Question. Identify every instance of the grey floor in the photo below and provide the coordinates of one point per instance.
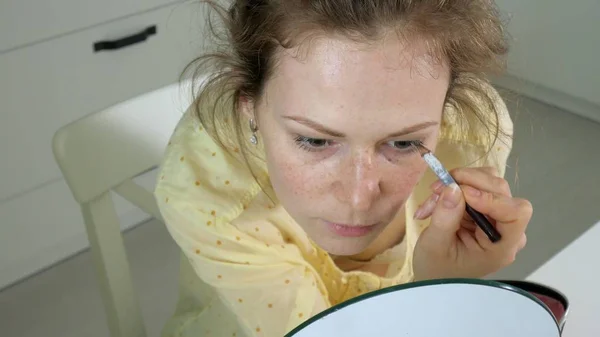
(553, 164)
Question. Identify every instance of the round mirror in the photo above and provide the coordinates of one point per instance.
(449, 308)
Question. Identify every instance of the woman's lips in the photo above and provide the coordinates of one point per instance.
(350, 230)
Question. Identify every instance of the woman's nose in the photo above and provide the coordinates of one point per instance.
(362, 183)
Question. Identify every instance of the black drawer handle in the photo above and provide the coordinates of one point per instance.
(126, 41)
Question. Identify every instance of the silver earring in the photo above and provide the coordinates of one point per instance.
(253, 128)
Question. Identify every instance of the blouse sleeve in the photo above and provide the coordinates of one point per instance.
(268, 287)
(457, 149)
(501, 149)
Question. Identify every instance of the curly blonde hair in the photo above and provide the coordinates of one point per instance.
(466, 34)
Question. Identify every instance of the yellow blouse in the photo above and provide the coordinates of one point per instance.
(248, 269)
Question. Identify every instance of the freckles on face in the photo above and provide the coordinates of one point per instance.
(337, 127)
(402, 179)
(291, 172)
(296, 178)
(346, 189)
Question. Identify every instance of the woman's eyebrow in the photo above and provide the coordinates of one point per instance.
(325, 130)
(412, 129)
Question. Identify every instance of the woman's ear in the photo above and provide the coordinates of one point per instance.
(246, 106)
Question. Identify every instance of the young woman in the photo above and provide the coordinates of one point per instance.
(292, 184)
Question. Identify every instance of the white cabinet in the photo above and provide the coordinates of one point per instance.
(27, 22)
(50, 83)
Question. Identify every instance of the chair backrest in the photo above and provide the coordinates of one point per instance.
(101, 153)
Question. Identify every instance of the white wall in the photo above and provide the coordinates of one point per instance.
(556, 46)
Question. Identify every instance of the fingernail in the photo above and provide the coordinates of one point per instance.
(451, 196)
(472, 191)
(419, 214)
(427, 207)
(436, 186)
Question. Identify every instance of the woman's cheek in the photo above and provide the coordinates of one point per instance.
(404, 182)
(289, 176)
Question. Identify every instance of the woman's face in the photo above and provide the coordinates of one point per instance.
(336, 122)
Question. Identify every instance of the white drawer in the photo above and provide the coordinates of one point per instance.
(25, 22)
(50, 84)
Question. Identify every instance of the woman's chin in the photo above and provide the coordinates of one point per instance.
(344, 246)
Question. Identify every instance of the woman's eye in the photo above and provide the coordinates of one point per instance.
(311, 144)
(402, 144)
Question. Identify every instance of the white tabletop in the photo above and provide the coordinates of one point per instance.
(575, 272)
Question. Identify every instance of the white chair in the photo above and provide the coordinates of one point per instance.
(103, 152)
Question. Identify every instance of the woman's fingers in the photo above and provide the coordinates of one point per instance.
(483, 179)
(469, 240)
(490, 194)
(510, 214)
(446, 217)
(522, 242)
(455, 241)
(426, 209)
(501, 208)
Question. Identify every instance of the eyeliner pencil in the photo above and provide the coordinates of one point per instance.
(443, 174)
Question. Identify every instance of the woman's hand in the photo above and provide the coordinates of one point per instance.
(453, 245)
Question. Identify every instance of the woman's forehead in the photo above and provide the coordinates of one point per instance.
(338, 79)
